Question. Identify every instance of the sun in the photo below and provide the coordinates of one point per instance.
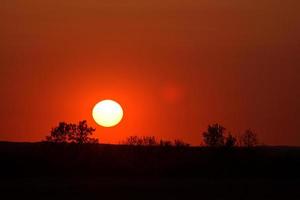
(107, 113)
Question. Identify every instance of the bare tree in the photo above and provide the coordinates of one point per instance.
(214, 136)
(249, 138)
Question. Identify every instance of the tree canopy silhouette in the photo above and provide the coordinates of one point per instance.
(72, 133)
(61, 133)
(214, 136)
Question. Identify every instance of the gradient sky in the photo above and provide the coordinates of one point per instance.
(175, 66)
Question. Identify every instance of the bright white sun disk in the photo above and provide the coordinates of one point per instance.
(107, 113)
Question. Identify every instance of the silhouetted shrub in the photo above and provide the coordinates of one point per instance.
(180, 143)
(230, 140)
(145, 141)
(133, 140)
(149, 141)
(75, 133)
(165, 143)
(249, 138)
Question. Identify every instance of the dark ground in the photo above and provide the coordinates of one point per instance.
(49, 171)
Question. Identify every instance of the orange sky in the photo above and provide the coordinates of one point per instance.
(175, 66)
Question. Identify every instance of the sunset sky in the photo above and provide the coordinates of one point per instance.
(174, 66)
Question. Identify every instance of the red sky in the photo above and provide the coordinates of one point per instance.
(175, 66)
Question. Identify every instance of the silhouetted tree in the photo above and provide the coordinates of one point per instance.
(60, 134)
(81, 133)
(68, 132)
(230, 140)
(214, 136)
(249, 138)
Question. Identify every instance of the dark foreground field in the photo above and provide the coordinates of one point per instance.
(49, 171)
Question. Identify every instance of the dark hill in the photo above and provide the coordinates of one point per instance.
(69, 171)
(39, 159)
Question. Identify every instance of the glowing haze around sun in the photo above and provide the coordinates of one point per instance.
(107, 113)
